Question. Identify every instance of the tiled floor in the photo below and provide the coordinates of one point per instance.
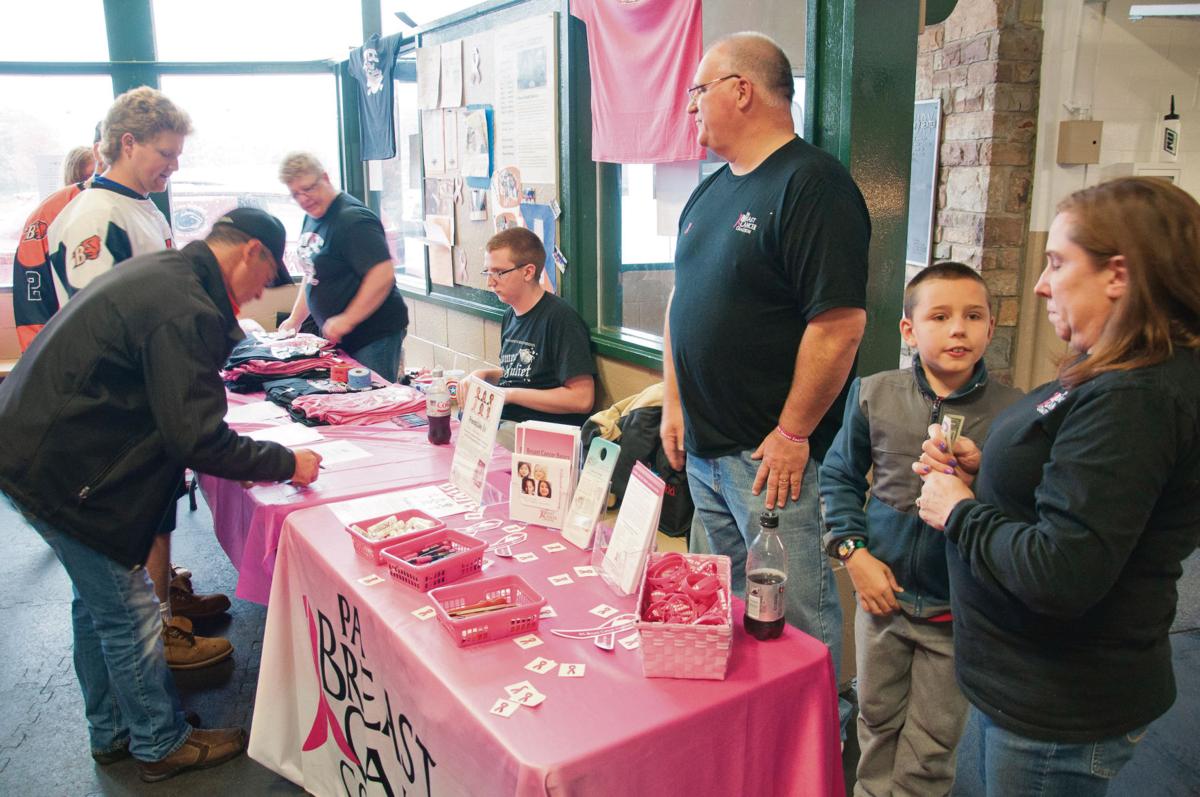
(43, 743)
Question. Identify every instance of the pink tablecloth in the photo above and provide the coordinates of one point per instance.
(397, 702)
(248, 521)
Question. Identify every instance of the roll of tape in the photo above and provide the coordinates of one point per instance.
(339, 373)
(360, 378)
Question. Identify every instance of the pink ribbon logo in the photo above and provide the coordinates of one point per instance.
(326, 720)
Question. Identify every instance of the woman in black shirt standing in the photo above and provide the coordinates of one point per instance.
(1065, 550)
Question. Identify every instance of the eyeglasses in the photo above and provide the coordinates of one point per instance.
(308, 190)
(496, 275)
(694, 92)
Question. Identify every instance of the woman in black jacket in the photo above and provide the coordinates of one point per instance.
(1064, 552)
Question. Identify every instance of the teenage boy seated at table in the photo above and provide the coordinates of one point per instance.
(546, 367)
(911, 714)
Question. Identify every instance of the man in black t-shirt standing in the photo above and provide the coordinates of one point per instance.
(546, 366)
(764, 323)
(349, 281)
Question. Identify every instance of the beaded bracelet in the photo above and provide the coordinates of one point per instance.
(791, 438)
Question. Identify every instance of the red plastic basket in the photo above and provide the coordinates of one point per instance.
(522, 618)
(676, 650)
(467, 560)
(371, 549)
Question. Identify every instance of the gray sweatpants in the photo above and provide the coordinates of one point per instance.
(910, 711)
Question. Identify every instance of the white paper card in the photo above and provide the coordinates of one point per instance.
(630, 642)
(476, 437)
(603, 610)
(255, 412)
(528, 641)
(292, 434)
(541, 665)
(584, 571)
(561, 580)
(571, 670)
(504, 708)
(526, 557)
(371, 580)
(554, 547)
(424, 613)
(547, 611)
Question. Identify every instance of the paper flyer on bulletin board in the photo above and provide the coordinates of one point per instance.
(476, 438)
(526, 81)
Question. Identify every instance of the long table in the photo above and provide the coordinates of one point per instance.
(357, 692)
(248, 521)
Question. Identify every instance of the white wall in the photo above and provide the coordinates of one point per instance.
(1093, 55)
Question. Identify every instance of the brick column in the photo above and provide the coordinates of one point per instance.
(984, 62)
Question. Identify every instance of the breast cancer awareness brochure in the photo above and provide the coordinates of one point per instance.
(591, 494)
(633, 535)
(476, 438)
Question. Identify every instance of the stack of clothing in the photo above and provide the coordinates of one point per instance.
(355, 408)
(259, 359)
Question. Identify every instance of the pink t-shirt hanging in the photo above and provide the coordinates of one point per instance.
(643, 57)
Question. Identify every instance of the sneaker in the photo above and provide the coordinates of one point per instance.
(202, 749)
(194, 605)
(121, 753)
(186, 651)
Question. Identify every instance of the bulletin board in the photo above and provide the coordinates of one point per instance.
(492, 73)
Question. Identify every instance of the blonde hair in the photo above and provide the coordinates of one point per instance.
(144, 113)
(1155, 227)
(297, 164)
(78, 166)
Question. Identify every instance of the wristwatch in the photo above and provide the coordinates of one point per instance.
(846, 548)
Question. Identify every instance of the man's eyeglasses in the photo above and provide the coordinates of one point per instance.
(694, 92)
(495, 275)
(308, 190)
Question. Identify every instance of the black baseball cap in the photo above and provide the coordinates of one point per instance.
(267, 229)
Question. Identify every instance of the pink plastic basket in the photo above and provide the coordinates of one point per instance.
(674, 650)
(520, 619)
(371, 549)
(467, 560)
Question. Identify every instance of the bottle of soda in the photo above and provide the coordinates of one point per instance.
(437, 409)
(766, 575)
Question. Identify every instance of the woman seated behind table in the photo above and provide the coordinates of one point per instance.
(1066, 548)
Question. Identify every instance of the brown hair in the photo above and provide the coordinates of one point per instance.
(1155, 226)
(522, 245)
(144, 112)
(78, 166)
(946, 270)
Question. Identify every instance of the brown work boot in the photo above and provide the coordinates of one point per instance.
(186, 651)
(202, 749)
(196, 606)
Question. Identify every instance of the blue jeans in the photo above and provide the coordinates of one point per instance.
(729, 513)
(382, 355)
(128, 693)
(993, 761)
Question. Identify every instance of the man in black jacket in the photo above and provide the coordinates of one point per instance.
(116, 396)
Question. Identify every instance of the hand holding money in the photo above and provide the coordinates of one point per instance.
(947, 451)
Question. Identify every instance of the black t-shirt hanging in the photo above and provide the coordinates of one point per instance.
(371, 65)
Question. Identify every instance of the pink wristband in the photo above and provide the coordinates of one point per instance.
(791, 438)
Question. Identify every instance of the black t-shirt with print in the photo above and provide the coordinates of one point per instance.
(759, 256)
(371, 65)
(542, 349)
(336, 251)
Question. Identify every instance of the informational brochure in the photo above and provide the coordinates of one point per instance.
(633, 535)
(540, 490)
(476, 438)
(591, 493)
(434, 500)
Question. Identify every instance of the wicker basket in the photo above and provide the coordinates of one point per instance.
(674, 650)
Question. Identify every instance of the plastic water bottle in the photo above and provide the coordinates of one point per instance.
(766, 577)
(437, 409)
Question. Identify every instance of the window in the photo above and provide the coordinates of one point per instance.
(400, 193)
(35, 136)
(634, 291)
(53, 30)
(244, 125)
(256, 30)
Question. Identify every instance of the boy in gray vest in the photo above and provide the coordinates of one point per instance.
(911, 713)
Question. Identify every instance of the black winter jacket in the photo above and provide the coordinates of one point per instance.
(118, 394)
